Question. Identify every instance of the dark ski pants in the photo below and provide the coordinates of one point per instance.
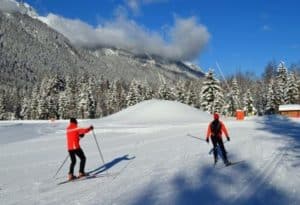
(82, 157)
(218, 140)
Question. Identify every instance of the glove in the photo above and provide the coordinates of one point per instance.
(91, 127)
(207, 140)
(81, 135)
(228, 139)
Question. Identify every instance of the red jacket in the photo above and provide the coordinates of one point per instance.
(73, 132)
(223, 129)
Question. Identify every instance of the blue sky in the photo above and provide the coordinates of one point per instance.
(243, 34)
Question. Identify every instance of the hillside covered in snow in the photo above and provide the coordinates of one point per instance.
(154, 154)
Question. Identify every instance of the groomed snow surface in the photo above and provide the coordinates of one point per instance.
(154, 154)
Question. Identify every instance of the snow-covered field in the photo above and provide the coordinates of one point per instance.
(151, 159)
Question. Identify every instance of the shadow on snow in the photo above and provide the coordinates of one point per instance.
(223, 186)
(110, 164)
(288, 128)
(213, 186)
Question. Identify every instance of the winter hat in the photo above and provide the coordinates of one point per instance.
(73, 120)
(216, 116)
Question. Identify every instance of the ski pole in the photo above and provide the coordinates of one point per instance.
(61, 165)
(99, 150)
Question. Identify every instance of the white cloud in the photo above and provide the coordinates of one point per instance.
(187, 37)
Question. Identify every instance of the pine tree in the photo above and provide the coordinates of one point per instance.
(34, 104)
(212, 99)
(147, 91)
(165, 92)
(271, 99)
(71, 101)
(91, 99)
(62, 104)
(180, 91)
(234, 98)
(43, 100)
(281, 85)
(248, 103)
(190, 97)
(2, 106)
(292, 93)
(25, 110)
(134, 95)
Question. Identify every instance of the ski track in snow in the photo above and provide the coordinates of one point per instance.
(164, 165)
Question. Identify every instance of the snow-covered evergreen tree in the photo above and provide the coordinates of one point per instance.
(34, 104)
(212, 98)
(292, 93)
(234, 98)
(271, 99)
(165, 92)
(180, 91)
(190, 97)
(25, 109)
(147, 91)
(134, 94)
(70, 103)
(86, 101)
(248, 103)
(62, 104)
(2, 106)
(281, 85)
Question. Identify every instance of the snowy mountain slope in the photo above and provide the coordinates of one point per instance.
(154, 163)
(29, 48)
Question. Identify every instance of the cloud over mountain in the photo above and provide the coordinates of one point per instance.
(184, 40)
(187, 37)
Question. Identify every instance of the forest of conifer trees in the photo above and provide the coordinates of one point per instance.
(86, 96)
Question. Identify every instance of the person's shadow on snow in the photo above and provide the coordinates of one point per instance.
(110, 164)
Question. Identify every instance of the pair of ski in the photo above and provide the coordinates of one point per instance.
(92, 176)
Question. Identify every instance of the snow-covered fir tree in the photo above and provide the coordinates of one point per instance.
(70, 103)
(148, 92)
(113, 98)
(134, 94)
(292, 93)
(34, 103)
(86, 102)
(190, 96)
(248, 103)
(180, 91)
(164, 91)
(271, 99)
(234, 98)
(25, 109)
(212, 98)
(281, 85)
(2, 106)
(62, 104)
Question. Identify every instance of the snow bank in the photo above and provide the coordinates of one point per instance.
(159, 111)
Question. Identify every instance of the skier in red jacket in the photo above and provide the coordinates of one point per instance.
(214, 131)
(74, 133)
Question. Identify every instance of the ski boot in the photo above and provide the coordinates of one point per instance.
(71, 177)
(215, 161)
(82, 174)
(227, 163)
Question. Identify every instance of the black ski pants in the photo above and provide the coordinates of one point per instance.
(218, 140)
(82, 157)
